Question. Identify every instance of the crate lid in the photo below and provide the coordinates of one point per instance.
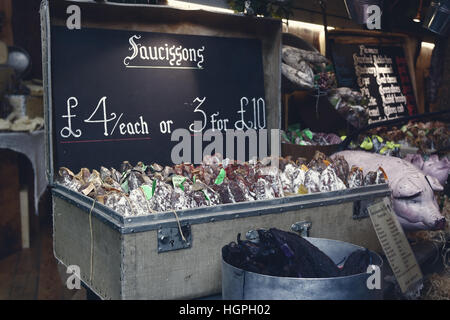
(121, 79)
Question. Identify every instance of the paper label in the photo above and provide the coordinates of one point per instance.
(89, 189)
(147, 191)
(178, 181)
(308, 133)
(367, 144)
(125, 186)
(206, 196)
(153, 187)
(220, 177)
(395, 245)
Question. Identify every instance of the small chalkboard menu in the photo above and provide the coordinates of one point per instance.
(380, 72)
(120, 95)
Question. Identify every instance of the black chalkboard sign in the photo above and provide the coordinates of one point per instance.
(119, 95)
(381, 73)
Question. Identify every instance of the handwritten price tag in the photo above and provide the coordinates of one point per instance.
(395, 245)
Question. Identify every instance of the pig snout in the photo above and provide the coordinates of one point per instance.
(440, 224)
(410, 226)
(420, 210)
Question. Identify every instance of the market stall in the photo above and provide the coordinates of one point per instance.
(144, 105)
(107, 242)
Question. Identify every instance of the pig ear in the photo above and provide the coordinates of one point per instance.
(408, 157)
(434, 183)
(434, 158)
(405, 188)
(446, 161)
(417, 160)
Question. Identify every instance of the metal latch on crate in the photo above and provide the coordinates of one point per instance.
(170, 239)
(302, 227)
(360, 209)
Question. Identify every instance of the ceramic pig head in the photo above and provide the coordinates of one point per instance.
(434, 167)
(414, 200)
(437, 168)
(412, 189)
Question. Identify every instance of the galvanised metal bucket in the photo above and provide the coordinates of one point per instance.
(238, 284)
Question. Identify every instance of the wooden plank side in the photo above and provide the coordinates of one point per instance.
(26, 278)
(6, 32)
(24, 218)
(51, 285)
(422, 72)
(33, 273)
(8, 267)
(196, 272)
